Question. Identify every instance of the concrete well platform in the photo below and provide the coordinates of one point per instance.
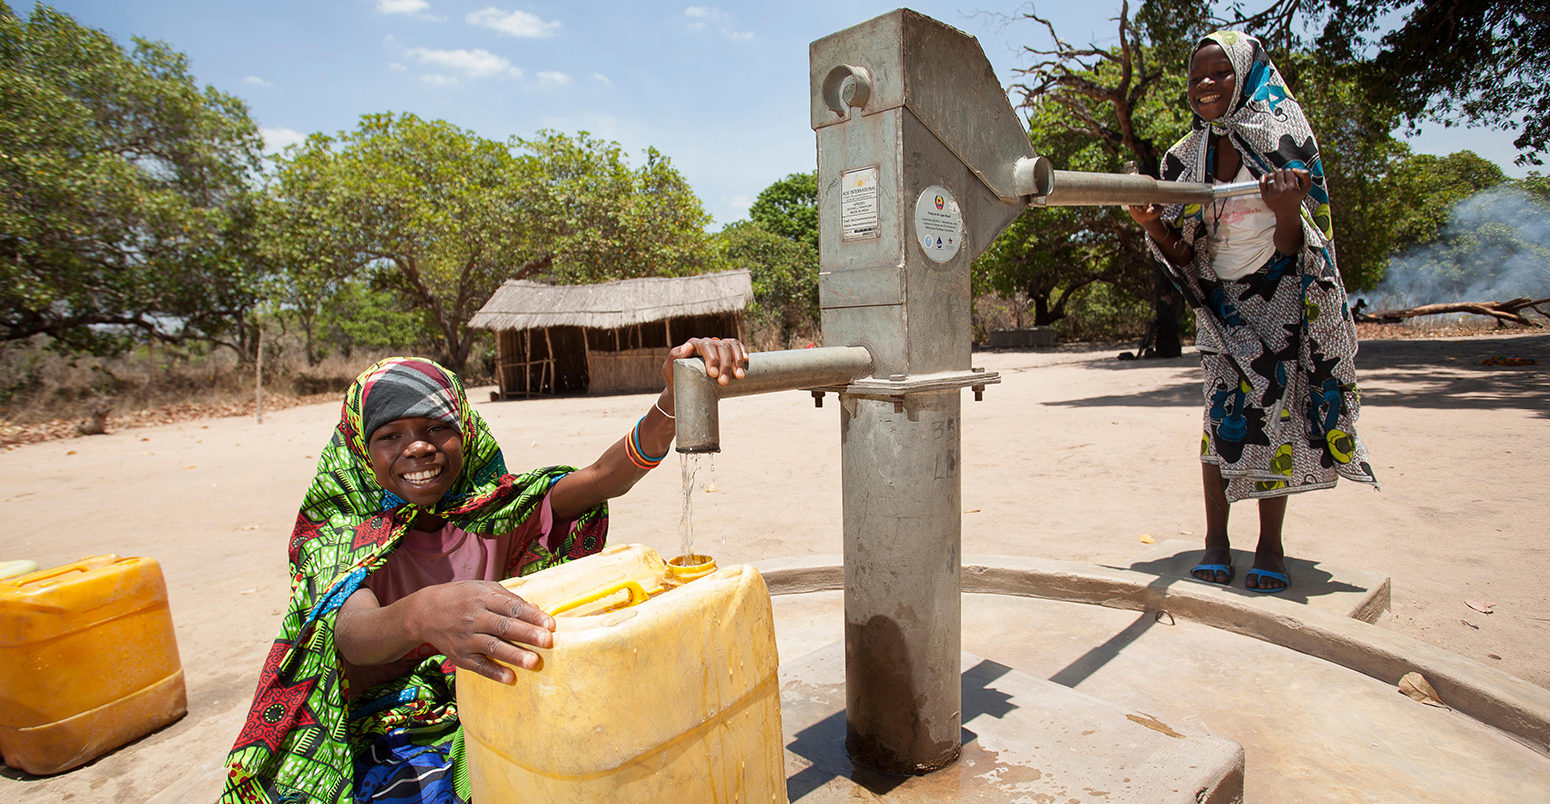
(1309, 694)
(1024, 739)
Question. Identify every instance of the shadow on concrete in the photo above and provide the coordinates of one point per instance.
(824, 742)
(17, 774)
(1308, 579)
(1099, 655)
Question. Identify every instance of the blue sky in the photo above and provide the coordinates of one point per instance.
(720, 89)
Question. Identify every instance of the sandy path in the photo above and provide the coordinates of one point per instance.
(1074, 455)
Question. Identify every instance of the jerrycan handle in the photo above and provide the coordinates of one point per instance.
(43, 577)
(637, 595)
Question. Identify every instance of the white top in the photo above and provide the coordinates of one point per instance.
(1244, 238)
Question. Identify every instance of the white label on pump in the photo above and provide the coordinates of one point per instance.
(938, 224)
(858, 204)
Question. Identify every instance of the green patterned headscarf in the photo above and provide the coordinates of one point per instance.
(300, 734)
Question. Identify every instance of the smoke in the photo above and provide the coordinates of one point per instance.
(1495, 246)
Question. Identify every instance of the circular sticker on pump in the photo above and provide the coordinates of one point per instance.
(938, 224)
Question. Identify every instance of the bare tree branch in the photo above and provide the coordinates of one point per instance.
(1503, 311)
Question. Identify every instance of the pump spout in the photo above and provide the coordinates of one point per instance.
(696, 395)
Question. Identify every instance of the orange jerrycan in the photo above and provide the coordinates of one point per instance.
(88, 661)
(661, 686)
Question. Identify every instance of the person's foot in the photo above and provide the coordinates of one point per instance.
(1266, 561)
(1216, 565)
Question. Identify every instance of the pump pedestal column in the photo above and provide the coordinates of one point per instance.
(902, 585)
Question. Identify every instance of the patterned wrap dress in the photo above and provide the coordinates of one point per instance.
(1279, 345)
(304, 740)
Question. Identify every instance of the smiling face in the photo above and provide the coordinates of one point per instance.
(416, 458)
(1212, 82)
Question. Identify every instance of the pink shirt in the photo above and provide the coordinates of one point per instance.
(426, 558)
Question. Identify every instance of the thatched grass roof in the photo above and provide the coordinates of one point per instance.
(520, 304)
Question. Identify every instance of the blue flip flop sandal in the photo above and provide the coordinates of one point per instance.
(1279, 576)
(1213, 569)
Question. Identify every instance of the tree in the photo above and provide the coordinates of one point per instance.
(1048, 258)
(358, 317)
(1482, 60)
(588, 217)
(125, 211)
(1421, 191)
(1535, 184)
(1099, 108)
(309, 249)
(441, 217)
(1485, 242)
(434, 210)
(779, 243)
(1358, 151)
(789, 208)
(784, 274)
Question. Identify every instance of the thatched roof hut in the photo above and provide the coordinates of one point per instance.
(605, 338)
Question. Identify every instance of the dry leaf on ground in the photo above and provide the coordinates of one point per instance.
(1480, 606)
(1417, 687)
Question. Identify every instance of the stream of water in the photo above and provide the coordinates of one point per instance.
(691, 466)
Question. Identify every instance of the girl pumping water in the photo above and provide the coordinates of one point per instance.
(1276, 337)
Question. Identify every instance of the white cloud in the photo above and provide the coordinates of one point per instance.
(514, 23)
(438, 80)
(256, 81)
(401, 6)
(550, 79)
(275, 139)
(602, 79)
(396, 67)
(477, 63)
(706, 17)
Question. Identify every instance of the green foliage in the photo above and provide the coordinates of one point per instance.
(779, 244)
(784, 273)
(1480, 60)
(1535, 184)
(1492, 245)
(432, 206)
(357, 318)
(789, 208)
(588, 217)
(1421, 192)
(1093, 109)
(1357, 149)
(124, 211)
(439, 217)
(1102, 312)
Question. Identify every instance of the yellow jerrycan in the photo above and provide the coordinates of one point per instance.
(88, 661)
(661, 686)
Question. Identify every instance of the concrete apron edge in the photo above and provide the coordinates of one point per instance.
(1480, 691)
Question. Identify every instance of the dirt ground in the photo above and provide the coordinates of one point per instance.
(1074, 455)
